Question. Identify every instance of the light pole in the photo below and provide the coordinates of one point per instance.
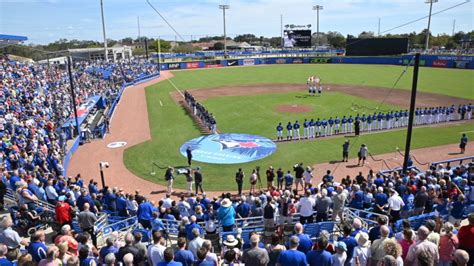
(429, 22)
(317, 8)
(224, 7)
(103, 29)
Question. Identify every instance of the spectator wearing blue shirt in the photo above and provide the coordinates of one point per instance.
(380, 199)
(374, 232)
(182, 255)
(156, 223)
(292, 257)
(319, 256)
(357, 201)
(145, 214)
(3, 260)
(226, 215)
(121, 204)
(107, 249)
(350, 242)
(83, 199)
(304, 242)
(37, 249)
(457, 210)
(243, 209)
(168, 255)
(191, 226)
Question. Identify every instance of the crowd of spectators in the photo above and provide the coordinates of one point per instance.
(444, 191)
(201, 112)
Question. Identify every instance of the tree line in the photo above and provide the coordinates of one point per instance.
(332, 39)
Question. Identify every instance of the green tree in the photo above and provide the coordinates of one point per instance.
(336, 39)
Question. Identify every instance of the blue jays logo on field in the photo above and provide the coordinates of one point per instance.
(229, 148)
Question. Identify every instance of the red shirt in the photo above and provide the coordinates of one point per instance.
(466, 237)
(63, 212)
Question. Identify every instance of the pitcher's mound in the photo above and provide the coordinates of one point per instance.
(294, 108)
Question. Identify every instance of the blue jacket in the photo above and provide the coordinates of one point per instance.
(226, 216)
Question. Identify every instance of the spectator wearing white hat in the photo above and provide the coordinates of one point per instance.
(226, 215)
(362, 251)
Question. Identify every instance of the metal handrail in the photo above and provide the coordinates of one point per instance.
(366, 220)
(460, 160)
(12, 195)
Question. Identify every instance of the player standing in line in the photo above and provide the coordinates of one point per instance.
(306, 129)
(397, 119)
(380, 118)
(405, 118)
(331, 125)
(312, 128)
(324, 124)
(337, 124)
(369, 122)
(469, 111)
(289, 131)
(279, 129)
(318, 128)
(363, 119)
(344, 125)
(296, 130)
(350, 123)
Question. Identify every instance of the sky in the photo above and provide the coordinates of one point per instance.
(44, 21)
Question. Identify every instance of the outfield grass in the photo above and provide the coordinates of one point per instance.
(237, 114)
(171, 127)
(452, 82)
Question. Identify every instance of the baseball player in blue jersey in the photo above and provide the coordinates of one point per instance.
(405, 118)
(344, 125)
(331, 125)
(296, 130)
(279, 129)
(364, 122)
(318, 128)
(350, 123)
(369, 122)
(469, 111)
(387, 120)
(289, 131)
(337, 125)
(306, 129)
(380, 117)
(312, 128)
(324, 124)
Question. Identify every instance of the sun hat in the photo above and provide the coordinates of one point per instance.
(231, 241)
(226, 203)
(362, 239)
(341, 245)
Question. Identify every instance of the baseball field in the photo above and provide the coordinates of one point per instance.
(254, 99)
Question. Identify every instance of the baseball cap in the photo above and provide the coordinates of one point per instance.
(341, 245)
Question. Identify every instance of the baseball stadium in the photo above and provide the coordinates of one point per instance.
(311, 147)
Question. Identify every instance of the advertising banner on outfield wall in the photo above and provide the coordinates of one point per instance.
(248, 62)
(321, 60)
(192, 65)
(298, 61)
(212, 63)
(232, 62)
(440, 63)
(174, 66)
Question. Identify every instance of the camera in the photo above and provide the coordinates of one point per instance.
(104, 164)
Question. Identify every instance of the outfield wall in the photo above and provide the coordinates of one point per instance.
(441, 61)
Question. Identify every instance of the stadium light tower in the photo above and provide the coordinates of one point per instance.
(317, 8)
(103, 30)
(224, 7)
(429, 22)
